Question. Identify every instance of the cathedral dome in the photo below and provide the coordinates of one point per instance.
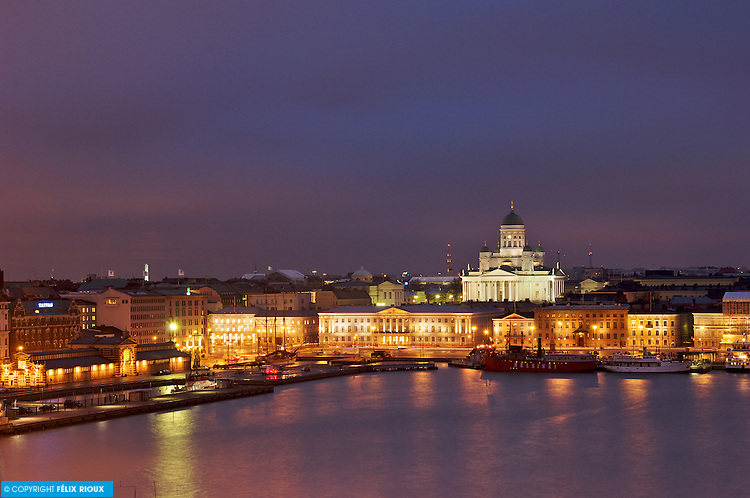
(362, 275)
(512, 219)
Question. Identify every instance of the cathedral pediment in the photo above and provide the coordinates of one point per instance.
(499, 272)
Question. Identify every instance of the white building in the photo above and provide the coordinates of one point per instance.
(414, 326)
(515, 272)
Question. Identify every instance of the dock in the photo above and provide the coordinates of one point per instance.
(252, 384)
(62, 418)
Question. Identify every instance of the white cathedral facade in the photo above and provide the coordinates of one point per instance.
(514, 272)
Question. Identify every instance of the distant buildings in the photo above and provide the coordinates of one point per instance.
(151, 315)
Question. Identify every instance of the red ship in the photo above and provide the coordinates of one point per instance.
(517, 359)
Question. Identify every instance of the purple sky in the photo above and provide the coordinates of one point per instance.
(220, 136)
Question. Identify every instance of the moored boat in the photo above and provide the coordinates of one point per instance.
(738, 358)
(517, 359)
(472, 360)
(645, 364)
(700, 366)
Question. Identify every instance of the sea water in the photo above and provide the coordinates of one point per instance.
(450, 432)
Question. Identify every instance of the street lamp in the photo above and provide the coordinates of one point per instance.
(532, 332)
(421, 341)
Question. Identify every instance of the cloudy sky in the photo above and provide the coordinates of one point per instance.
(219, 137)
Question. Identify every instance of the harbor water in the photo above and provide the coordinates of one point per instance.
(449, 432)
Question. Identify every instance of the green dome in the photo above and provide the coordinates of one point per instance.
(512, 219)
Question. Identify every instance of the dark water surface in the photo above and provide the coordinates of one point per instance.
(450, 432)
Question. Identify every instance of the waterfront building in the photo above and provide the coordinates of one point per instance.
(514, 329)
(261, 330)
(735, 307)
(42, 324)
(286, 329)
(659, 329)
(100, 353)
(420, 325)
(514, 272)
(708, 331)
(4, 331)
(717, 331)
(582, 326)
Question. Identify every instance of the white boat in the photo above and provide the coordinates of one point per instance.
(645, 364)
(738, 358)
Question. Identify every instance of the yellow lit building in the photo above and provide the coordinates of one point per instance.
(409, 326)
(262, 331)
(655, 330)
(708, 331)
(514, 329)
(4, 332)
(582, 326)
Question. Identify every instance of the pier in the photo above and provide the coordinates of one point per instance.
(122, 402)
(61, 418)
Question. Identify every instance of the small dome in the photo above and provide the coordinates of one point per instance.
(485, 248)
(512, 219)
(362, 275)
(539, 248)
(527, 248)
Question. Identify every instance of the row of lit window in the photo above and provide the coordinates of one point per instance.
(394, 320)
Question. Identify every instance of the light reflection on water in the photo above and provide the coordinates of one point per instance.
(446, 432)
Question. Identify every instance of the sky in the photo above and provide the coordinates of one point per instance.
(226, 137)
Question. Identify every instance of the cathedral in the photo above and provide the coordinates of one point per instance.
(515, 271)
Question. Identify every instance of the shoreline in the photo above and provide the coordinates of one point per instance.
(255, 385)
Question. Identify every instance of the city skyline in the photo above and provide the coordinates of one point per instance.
(218, 139)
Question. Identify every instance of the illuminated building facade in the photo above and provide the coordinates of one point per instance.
(186, 318)
(717, 331)
(101, 353)
(735, 307)
(261, 331)
(40, 325)
(708, 331)
(4, 332)
(514, 272)
(658, 330)
(152, 316)
(421, 325)
(514, 329)
(582, 326)
(387, 294)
